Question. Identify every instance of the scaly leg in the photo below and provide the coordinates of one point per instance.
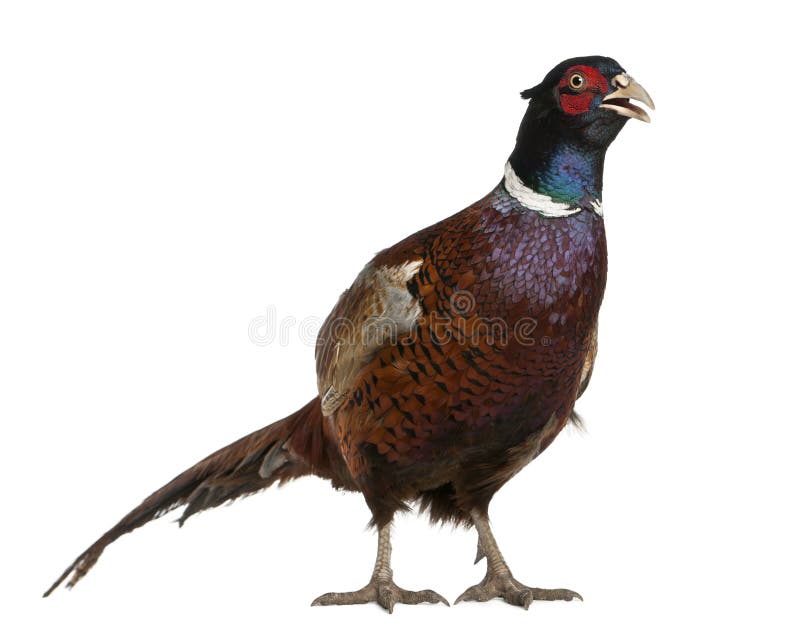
(381, 587)
(498, 581)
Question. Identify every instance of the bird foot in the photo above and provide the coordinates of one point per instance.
(513, 592)
(383, 592)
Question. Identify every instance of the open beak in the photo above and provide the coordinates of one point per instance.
(619, 100)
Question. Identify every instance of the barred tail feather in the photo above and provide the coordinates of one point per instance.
(244, 467)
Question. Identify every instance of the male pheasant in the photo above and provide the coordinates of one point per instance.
(456, 356)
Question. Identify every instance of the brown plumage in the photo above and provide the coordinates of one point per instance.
(456, 356)
(292, 447)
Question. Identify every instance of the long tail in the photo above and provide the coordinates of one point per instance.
(286, 449)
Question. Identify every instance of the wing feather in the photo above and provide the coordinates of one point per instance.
(376, 310)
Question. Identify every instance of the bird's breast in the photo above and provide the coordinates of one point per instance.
(548, 270)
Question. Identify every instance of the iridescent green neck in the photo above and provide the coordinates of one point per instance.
(565, 172)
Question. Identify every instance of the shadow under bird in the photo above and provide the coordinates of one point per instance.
(456, 356)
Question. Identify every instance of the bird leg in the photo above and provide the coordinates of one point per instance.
(498, 581)
(381, 587)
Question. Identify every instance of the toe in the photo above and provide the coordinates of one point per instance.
(524, 599)
(386, 598)
(526, 595)
(556, 594)
(466, 596)
(333, 599)
(323, 600)
(417, 597)
(476, 593)
(434, 598)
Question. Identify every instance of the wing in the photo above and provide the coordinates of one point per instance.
(376, 310)
(384, 303)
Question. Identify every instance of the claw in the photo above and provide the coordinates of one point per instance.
(385, 594)
(513, 592)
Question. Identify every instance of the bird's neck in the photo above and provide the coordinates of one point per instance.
(558, 167)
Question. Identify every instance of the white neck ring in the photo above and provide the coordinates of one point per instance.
(538, 202)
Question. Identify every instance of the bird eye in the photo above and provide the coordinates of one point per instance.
(577, 81)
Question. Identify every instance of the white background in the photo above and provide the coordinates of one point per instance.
(169, 171)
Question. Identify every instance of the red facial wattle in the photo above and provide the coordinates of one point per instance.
(575, 101)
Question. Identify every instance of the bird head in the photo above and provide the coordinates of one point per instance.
(573, 116)
(588, 97)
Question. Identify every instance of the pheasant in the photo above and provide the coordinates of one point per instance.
(456, 356)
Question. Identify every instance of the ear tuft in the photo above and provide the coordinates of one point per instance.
(529, 93)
